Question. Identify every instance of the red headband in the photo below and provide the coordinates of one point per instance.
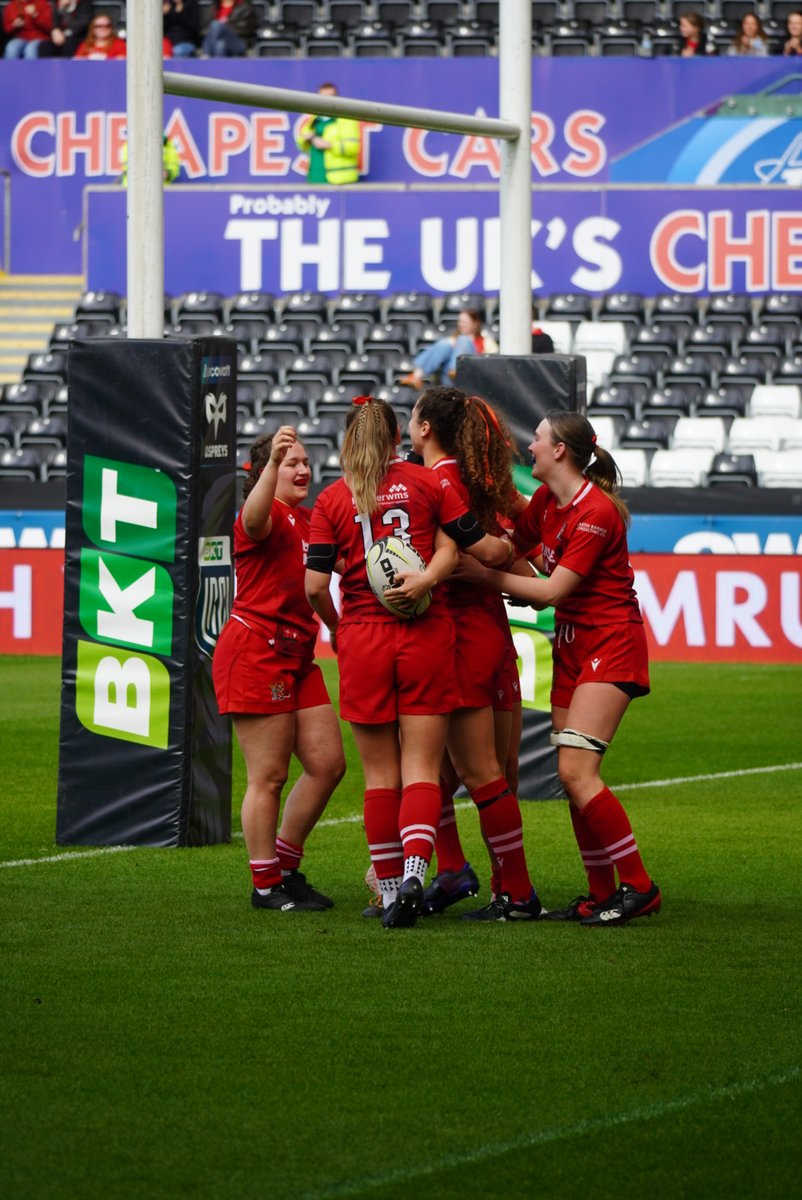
(363, 400)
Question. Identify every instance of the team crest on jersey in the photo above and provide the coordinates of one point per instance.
(213, 604)
(278, 690)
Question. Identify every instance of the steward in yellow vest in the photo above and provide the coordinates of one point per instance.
(333, 145)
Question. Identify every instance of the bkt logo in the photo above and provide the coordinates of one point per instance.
(126, 601)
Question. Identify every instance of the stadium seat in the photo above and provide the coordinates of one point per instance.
(50, 367)
(730, 469)
(792, 435)
(252, 395)
(606, 430)
(199, 303)
(770, 400)
(652, 433)
(780, 469)
(574, 307)
(598, 364)
(705, 433)
(620, 400)
(420, 39)
(680, 468)
(320, 367)
(30, 396)
(55, 466)
(677, 400)
(101, 304)
(23, 462)
(299, 395)
(634, 467)
(622, 306)
(600, 335)
(11, 426)
(45, 431)
(748, 434)
(727, 400)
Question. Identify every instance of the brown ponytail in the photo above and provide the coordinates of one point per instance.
(576, 433)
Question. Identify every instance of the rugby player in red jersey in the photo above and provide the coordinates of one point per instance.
(461, 439)
(397, 682)
(266, 678)
(600, 658)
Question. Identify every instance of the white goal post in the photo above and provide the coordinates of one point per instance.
(146, 84)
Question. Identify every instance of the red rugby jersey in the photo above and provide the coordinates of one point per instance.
(588, 536)
(270, 594)
(412, 504)
(462, 595)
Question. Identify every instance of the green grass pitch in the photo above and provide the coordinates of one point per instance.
(159, 1038)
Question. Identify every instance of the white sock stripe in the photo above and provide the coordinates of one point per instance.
(451, 820)
(633, 849)
(376, 858)
(411, 829)
(504, 848)
(597, 862)
(263, 862)
(418, 837)
(383, 845)
(594, 855)
(500, 838)
(621, 842)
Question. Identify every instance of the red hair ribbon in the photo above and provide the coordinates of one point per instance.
(593, 439)
(246, 466)
(363, 400)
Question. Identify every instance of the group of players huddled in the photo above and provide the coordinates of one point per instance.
(433, 700)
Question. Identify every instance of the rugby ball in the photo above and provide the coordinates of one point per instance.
(384, 559)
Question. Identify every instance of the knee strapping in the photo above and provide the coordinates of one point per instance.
(580, 741)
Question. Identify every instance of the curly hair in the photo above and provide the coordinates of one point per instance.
(371, 434)
(469, 429)
(576, 433)
(259, 458)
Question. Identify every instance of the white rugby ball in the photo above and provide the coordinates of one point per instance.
(384, 559)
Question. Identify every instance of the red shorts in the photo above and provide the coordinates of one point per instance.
(508, 687)
(599, 654)
(396, 668)
(482, 656)
(250, 677)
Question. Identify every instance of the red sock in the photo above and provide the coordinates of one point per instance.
(265, 872)
(500, 818)
(447, 846)
(289, 855)
(609, 826)
(595, 859)
(419, 818)
(381, 829)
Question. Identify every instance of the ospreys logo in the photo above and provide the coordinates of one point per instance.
(215, 409)
(216, 382)
(213, 605)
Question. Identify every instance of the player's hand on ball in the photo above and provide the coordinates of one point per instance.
(408, 588)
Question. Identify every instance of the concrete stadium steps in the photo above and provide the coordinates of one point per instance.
(30, 305)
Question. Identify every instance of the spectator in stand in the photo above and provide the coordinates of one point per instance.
(751, 39)
(182, 26)
(542, 342)
(793, 45)
(440, 358)
(332, 143)
(232, 30)
(70, 22)
(102, 40)
(692, 35)
(27, 24)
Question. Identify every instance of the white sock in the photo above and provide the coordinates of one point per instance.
(415, 868)
(388, 888)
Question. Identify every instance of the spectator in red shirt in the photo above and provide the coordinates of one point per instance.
(102, 40)
(27, 23)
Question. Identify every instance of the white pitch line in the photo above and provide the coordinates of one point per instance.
(356, 818)
(527, 1141)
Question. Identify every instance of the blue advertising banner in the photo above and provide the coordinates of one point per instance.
(440, 240)
(645, 124)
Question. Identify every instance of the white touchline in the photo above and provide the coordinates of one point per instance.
(355, 818)
(541, 1137)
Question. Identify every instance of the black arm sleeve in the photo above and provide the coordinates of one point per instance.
(321, 557)
(466, 531)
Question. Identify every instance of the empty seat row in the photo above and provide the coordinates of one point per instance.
(693, 468)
